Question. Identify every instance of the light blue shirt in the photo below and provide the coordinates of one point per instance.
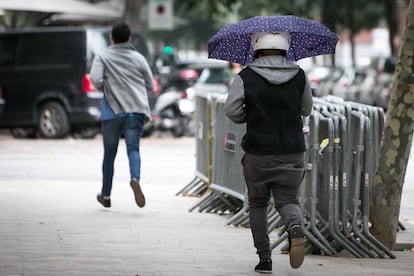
(107, 113)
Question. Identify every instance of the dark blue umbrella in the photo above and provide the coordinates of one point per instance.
(308, 38)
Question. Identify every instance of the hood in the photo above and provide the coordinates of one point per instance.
(275, 69)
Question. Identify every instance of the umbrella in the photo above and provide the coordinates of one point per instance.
(308, 38)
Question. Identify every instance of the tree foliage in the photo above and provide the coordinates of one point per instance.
(21, 19)
(204, 17)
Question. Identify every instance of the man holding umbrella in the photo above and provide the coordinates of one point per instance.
(271, 95)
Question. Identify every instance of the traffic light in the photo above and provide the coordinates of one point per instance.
(168, 50)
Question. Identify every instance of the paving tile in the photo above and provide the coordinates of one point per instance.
(51, 224)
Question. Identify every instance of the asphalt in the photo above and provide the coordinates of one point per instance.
(51, 223)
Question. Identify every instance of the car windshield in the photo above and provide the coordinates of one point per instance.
(214, 75)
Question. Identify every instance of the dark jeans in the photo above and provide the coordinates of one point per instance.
(272, 175)
(112, 130)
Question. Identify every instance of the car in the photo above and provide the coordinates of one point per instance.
(347, 85)
(215, 78)
(383, 94)
(186, 78)
(325, 87)
(384, 64)
(365, 90)
(185, 73)
(44, 76)
(385, 68)
(317, 76)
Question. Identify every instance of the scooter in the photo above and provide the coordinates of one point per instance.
(173, 112)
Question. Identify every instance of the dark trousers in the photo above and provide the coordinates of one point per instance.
(272, 175)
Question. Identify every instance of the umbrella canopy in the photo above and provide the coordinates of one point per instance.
(308, 38)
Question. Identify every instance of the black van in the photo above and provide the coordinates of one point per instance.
(44, 76)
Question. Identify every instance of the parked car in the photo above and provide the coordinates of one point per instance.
(383, 93)
(185, 73)
(216, 78)
(365, 86)
(385, 68)
(44, 75)
(325, 87)
(175, 106)
(317, 76)
(347, 85)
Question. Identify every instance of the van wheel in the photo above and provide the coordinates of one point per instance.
(53, 121)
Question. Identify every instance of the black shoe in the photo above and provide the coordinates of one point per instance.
(264, 266)
(139, 196)
(296, 246)
(105, 202)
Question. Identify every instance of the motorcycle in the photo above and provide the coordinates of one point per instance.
(173, 112)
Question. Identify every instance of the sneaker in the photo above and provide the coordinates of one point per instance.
(296, 246)
(264, 266)
(139, 196)
(105, 202)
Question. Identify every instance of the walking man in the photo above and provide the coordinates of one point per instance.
(125, 77)
(271, 95)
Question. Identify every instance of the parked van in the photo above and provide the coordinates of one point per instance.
(44, 76)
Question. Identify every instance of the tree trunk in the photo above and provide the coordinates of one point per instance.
(351, 25)
(392, 22)
(395, 145)
(329, 19)
(132, 14)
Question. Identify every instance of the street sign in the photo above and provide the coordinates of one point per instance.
(160, 14)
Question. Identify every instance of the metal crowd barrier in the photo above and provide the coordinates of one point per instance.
(227, 187)
(342, 146)
(202, 117)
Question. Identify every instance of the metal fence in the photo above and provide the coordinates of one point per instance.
(342, 143)
(202, 117)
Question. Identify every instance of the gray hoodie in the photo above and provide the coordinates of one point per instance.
(125, 77)
(276, 70)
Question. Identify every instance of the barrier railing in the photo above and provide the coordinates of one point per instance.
(342, 143)
(202, 117)
(227, 188)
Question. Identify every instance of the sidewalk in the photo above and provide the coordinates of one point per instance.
(51, 224)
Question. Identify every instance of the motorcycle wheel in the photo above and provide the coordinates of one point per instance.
(180, 128)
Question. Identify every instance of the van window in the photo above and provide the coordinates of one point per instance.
(96, 45)
(48, 49)
(8, 47)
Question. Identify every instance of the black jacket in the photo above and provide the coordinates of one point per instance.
(273, 114)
